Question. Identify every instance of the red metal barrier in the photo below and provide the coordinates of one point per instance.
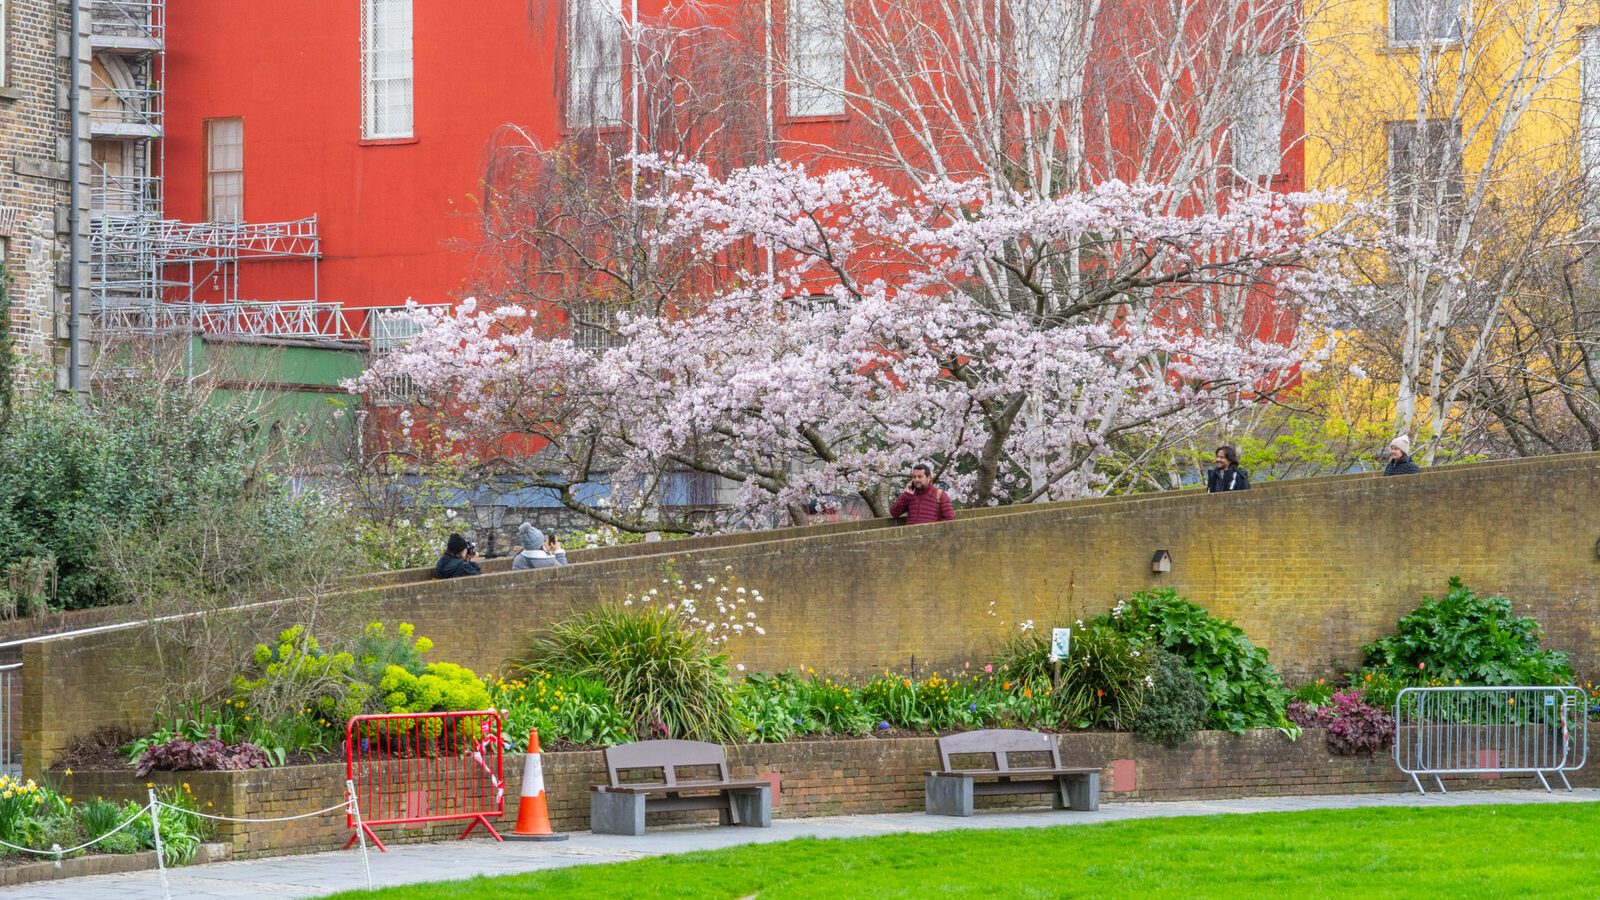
(411, 768)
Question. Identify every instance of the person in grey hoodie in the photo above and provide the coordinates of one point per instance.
(538, 552)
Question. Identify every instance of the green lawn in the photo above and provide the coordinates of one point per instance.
(1452, 853)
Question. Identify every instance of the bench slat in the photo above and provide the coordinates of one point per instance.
(682, 786)
(991, 773)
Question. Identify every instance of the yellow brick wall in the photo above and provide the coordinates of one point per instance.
(1311, 569)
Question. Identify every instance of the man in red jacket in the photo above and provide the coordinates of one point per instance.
(923, 501)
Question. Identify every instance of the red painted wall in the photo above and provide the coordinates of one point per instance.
(397, 219)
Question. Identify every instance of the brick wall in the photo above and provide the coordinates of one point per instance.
(1310, 569)
(32, 141)
(816, 778)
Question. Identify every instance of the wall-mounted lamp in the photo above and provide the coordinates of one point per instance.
(1161, 562)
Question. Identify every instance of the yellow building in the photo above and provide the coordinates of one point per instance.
(1443, 96)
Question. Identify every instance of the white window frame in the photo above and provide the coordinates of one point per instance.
(387, 104)
(1401, 199)
(815, 83)
(594, 63)
(389, 331)
(1257, 132)
(1454, 24)
(1589, 119)
(595, 338)
(1040, 31)
(213, 170)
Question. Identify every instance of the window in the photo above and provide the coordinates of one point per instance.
(385, 69)
(1258, 130)
(1589, 117)
(1424, 169)
(594, 62)
(593, 325)
(390, 331)
(1044, 37)
(816, 58)
(1416, 21)
(224, 170)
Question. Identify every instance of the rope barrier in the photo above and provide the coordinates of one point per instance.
(56, 851)
(350, 804)
(321, 812)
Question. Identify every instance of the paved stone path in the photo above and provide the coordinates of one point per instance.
(318, 874)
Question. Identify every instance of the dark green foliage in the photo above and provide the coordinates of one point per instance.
(1099, 684)
(1242, 688)
(1174, 704)
(666, 677)
(71, 473)
(1465, 637)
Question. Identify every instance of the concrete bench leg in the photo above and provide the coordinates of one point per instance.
(750, 808)
(611, 813)
(1082, 792)
(948, 796)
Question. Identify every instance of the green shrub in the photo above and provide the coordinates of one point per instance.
(579, 710)
(1465, 637)
(72, 473)
(1314, 693)
(182, 829)
(769, 707)
(934, 703)
(1242, 688)
(294, 675)
(666, 678)
(832, 707)
(1098, 685)
(100, 816)
(1174, 703)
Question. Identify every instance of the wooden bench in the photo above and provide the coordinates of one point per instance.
(619, 806)
(950, 790)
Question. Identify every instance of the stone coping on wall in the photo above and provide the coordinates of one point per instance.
(812, 778)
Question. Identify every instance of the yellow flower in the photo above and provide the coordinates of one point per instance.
(6, 795)
(186, 785)
(149, 784)
(69, 799)
(69, 773)
(208, 803)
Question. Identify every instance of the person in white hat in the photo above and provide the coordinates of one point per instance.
(1400, 461)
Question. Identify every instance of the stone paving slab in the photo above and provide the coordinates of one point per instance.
(319, 874)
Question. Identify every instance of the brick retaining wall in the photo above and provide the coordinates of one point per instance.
(816, 778)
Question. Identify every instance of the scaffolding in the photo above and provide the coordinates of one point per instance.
(153, 275)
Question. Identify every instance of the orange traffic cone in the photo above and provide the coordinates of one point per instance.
(533, 816)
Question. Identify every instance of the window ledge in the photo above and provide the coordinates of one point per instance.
(812, 120)
(10, 93)
(385, 142)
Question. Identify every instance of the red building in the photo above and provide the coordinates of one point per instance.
(374, 116)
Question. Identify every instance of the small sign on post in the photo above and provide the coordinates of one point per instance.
(1060, 644)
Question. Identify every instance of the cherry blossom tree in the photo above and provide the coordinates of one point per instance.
(1010, 339)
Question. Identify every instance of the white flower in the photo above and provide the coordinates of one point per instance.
(627, 603)
(740, 667)
(1149, 681)
(730, 569)
(760, 630)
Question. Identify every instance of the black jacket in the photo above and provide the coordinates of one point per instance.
(1232, 478)
(454, 567)
(1405, 465)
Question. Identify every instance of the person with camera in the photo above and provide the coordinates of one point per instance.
(460, 558)
(538, 551)
(922, 501)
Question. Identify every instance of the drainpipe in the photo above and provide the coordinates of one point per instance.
(75, 237)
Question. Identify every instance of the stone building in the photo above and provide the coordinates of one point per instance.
(34, 185)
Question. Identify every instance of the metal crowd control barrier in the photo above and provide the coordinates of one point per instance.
(414, 768)
(1487, 731)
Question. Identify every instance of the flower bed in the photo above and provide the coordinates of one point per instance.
(814, 778)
